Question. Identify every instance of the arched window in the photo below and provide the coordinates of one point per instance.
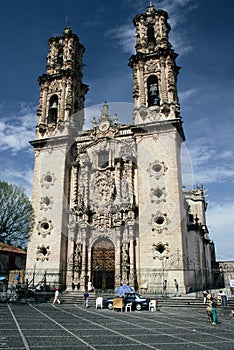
(60, 57)
(103, 159)
(150, 35)
(153, 92)
(53, 110)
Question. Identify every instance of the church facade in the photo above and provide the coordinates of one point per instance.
(109, 203)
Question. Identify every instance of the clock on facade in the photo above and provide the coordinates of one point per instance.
(104, 125)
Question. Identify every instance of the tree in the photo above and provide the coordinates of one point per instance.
(15, 214)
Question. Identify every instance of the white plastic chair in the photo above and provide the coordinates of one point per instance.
(128, 306)
(152, 305)
(99, 302)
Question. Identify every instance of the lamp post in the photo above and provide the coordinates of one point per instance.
(96, 277)
(34, 272)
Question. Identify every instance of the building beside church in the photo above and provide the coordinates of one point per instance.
(12, 264)
(109, 203)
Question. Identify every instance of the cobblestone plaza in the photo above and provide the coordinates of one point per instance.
(45, 326)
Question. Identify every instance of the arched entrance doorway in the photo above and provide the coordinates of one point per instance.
(103, 264)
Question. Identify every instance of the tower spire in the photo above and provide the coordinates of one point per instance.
(62, 91)
(154, 69)
(68, 22)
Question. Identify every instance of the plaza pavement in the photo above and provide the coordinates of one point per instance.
(48, 327)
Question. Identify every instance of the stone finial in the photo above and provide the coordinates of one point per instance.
(105, 112)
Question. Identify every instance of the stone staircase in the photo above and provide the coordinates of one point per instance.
(76, 297)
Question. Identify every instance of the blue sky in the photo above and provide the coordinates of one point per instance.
(202, 35)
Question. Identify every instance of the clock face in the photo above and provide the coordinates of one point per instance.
(104, 126)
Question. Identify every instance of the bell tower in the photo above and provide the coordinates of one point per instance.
(158, 133)
(62, 92)
(154, 69)
(60, 118)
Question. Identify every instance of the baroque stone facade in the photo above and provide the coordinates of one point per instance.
(109, 202)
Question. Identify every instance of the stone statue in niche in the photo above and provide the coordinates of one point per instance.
(125, 189)
(125, 255)
(80, 204)
(69, 100)
(77, 257)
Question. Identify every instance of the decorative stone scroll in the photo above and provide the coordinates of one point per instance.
(160, 250)
(46, 203)
(158, 195)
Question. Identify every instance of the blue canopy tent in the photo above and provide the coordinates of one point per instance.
(121, 290)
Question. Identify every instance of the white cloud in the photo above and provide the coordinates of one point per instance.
(211, 164)
(15, 132)
(125, 35)
(220, 221)
(14, 138)
(20, 177)
(186, 95)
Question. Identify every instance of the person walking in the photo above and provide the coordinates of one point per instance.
(176, 287)
(214, 311)
(86, 299)
(165, 288)
(56, 296)
(205, 293)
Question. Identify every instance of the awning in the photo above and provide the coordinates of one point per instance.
(2, 278)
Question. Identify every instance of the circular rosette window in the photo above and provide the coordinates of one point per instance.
(157, 169)
(44, 227)
(159, 222)
(48, 179)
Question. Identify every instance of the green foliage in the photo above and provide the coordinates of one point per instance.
(15, 214)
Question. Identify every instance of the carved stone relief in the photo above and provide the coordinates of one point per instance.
(158, 195)
(154, 113)
(160, 250)
(54, 87)
(42, 253)
(127, 150)
(104, 188)
(150, 67)
(46, 203)
(102, 221)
